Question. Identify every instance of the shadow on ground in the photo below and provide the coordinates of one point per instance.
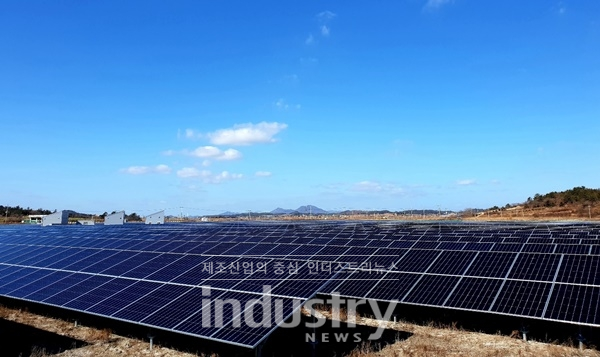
(21, 340)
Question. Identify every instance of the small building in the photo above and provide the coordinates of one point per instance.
(34, 219)
(117, 218)
(85, 222)
(56, 218)
(156, 218)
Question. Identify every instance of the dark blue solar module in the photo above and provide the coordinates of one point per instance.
(357, 283)
(522, 298)
(531, 266)
(452, 262)
(393, 286)
(153, 275)
(488, 264)
(577, 303)
(432, 290)
(474, 293)
(580, 270)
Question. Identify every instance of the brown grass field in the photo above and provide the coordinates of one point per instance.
(430, 340)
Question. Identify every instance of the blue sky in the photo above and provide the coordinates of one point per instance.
(243, 105)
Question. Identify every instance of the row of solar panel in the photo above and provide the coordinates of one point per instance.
(188, 271)
(115, 239)
(173, 307)
(581, 269)
(244, 274)
(181, 245)
(328, 232)
(563, 302)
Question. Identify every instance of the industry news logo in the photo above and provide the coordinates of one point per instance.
(267, 311)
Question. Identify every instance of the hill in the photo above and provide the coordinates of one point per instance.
(576, 195)
(310, 209)
(280, 210)
(578, 203)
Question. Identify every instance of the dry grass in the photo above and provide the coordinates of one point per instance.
(101, 342)
(4, 312)
(432, 339)
(38, 352)
(435, 339)
(103, 335)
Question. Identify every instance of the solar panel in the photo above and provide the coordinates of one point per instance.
(580, 270)
(474, 293)
(416, 260)
(522, 298)
(452, 262)
(575, 303)
(358, 283)
(432, 290)
(539, 267)
(494, 265)
(154, 275)
(393, 286)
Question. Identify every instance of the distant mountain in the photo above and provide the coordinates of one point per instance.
(280, 210)
(227, 213)
(310, 209)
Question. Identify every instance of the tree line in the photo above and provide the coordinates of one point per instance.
(18, 211)
(576, 195)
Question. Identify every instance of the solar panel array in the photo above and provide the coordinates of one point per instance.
(549, 272)
(153, 275)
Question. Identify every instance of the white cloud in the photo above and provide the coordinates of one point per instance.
(281, 104)
(324, 18)
(436, 4)
(213, 152)
(247, 134)
(190, 134)
(367, 186)
(206, 163)
(207, 176)
(206, 151)
(376, 187)
(188, 172)
(325, 15)
(143, 170)
(169, 152)
(230, 154)
(309, 40)
(466, 182)
(263, 174)
(162, 169)
(225, 176)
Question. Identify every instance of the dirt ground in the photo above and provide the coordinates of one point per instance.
(424, 341)
(449, 341)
